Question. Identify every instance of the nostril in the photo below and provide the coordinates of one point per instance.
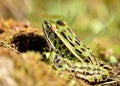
(45, 22)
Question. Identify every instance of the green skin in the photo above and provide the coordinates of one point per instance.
(68, 53)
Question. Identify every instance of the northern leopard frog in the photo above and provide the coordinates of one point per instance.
(67, 50)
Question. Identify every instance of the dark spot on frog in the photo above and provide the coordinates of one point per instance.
(58, 60)
(78, 51)
(84, 46)
(72, 44)
(95, 79)
(101, 64)
(107, 67)
(56, 56)
(63, 55)
(83, 49)
(60, 66)
(59, 47)
(87, 73)
(77, 39)
(72, 70)
(63, 34)
(60, 42)
(70, 38)
(104, 77)
(61, 23)
(86, 60)
(63, 46)
(69, 30)
(88, 48)
(55, 42)
(71, 56)
(77, 43)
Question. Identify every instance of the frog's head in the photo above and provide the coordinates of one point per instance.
(50, 28)
(49, 25)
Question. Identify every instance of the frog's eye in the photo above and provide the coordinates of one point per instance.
(48, 25)
(61, 23)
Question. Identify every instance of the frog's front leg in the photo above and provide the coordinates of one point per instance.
(59, 63)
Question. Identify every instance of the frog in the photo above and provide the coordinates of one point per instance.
(69, 53)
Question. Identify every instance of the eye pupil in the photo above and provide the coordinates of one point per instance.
(61, 23)
(48, 26)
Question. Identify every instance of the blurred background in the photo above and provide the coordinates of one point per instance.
(96, 22)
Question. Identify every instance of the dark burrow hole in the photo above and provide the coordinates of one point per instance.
(30, 41)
